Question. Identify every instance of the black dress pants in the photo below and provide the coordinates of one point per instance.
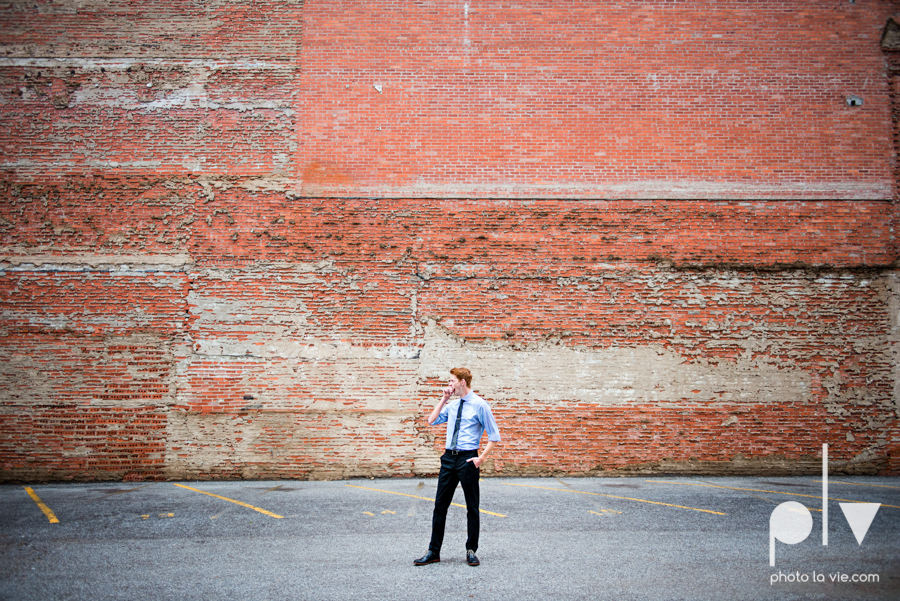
(456, 470)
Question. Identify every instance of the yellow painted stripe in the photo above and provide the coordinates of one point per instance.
(47, 511)
(403, 494)
(581, 492)
(776, 492)
(859, 484)
(247, 505)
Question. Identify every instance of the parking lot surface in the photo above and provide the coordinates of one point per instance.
(541, 538)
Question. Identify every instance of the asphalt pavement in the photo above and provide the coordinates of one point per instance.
(541, 538)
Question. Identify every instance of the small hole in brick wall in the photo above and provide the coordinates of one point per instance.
(854, 101)
(248, 397)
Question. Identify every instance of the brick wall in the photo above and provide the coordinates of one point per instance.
(655, 231)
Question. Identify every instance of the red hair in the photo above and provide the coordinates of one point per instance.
(462, 373)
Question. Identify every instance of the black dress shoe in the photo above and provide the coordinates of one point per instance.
(471, 559)
(430, 557)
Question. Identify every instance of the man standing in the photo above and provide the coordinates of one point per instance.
(467, 419)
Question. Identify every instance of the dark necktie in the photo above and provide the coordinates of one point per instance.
(456, 431)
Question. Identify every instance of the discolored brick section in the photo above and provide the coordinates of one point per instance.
(250, 239)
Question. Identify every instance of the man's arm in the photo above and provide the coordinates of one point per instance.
(437, 408)
(480, 459)
(490, 427)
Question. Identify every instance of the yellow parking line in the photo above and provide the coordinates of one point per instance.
(403, 494)
(858, 484)
(581, 492)
(777, 492)
(47, 511)
(247, 505)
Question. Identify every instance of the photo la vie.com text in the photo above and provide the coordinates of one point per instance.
(791, 523)
(822, 577)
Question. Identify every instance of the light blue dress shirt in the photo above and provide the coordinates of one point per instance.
(476, 420)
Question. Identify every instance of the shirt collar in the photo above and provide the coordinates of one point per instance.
(467, 397)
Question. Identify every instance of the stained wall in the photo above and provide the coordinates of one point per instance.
(249, 239)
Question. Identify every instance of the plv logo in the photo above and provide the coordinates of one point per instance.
(791, 522)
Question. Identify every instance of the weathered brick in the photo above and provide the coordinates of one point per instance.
(655, 231)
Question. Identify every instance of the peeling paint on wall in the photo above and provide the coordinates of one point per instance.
(225, 254)
(553, 373)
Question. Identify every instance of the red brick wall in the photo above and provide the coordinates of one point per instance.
(583, 99)
(655, 231)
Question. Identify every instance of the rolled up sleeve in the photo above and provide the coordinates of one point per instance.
(487, 420)
(441, 418)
